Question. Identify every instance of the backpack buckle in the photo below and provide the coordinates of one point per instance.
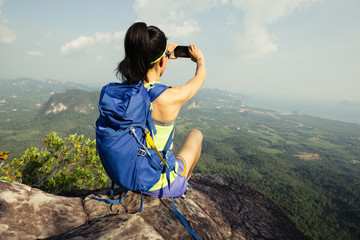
(167, 155)
(141, 152)
(149, 87)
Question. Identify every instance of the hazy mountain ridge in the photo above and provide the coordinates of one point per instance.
(209, 94)
(28, 95)
(28, 85)
(349, 103)
(23, 122)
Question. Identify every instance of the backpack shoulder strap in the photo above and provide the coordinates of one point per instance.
(167, 149)
(155, 90)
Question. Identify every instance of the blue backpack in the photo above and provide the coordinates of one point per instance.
(124, 140)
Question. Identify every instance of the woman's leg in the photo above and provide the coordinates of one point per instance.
(191, 150)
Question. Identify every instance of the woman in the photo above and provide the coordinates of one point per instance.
(146, 57)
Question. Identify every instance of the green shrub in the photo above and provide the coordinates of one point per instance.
(62, 165)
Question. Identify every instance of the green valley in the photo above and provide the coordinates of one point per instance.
(308, 166)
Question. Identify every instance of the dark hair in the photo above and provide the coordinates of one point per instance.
(143, 45)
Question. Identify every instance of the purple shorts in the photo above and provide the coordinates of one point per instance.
(178, 186)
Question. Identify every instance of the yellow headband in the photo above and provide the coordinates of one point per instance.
(159, 57)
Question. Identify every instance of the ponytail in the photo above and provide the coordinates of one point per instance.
(143, 45)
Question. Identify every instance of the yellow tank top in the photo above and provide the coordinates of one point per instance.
(162, 136)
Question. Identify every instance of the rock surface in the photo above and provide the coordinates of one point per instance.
(29, 213)
(216, 207)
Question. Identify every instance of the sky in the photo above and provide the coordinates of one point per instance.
(303, 49)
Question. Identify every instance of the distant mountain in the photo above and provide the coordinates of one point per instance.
(28, 95)
(74, 111)
(74, 101)
(29, 87)
(349, 104)
(208, 94)
(28, 107)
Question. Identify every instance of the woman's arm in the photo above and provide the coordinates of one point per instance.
(188, 91)
(168, 104)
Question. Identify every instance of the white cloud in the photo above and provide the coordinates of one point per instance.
(103, 37)
(177, 31)
(76, 44)
(119, 39)
(180, 22)
(7, 35)
(88, 41)
(119, 35)
(256, 41)
(179, 19)
(34, 53)
(173, 17)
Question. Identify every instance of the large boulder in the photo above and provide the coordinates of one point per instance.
(216, 207)
(29, 213)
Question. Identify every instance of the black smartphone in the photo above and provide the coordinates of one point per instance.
(182, 51)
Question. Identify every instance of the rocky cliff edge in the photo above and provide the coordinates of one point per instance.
(216, 207)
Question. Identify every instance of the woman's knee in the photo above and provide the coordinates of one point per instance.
(192, 144)
(197, 134)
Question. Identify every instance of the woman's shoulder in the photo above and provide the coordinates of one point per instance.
(167, 105)
(155, 89)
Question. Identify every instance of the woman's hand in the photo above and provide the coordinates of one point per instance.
(195, 53)
(171, 47)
